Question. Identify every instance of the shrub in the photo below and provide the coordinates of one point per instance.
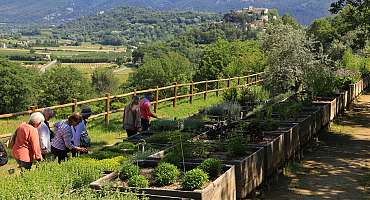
(212, 167)
(166, 174)
(194, 179)
(128, 170)
(138, 181)
(231, 95)
(229, 109)
(193, 124)
(237, 145)
(254, 94)
(164, 125)
(18, 87)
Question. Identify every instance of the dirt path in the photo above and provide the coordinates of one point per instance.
(336, 167)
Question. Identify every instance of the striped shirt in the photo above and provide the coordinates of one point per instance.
(63, 136)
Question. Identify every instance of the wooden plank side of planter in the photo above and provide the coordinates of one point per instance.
(332, 103)
(224, 187)
(249, 172)
(273, 154)
(291, 138)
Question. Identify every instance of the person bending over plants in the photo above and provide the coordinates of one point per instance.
(61, 144)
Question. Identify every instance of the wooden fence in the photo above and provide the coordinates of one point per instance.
(191, 90)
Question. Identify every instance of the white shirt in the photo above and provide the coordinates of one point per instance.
(44, 136)
(77, 133)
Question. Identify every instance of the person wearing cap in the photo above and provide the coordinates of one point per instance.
(80, 134)
(45, 133)
(145, 112)
(131, 117)
(26, 147)
(62, 143)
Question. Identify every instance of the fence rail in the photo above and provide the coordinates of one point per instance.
(193, 89)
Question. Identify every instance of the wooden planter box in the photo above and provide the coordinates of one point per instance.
(249, 170)
(274, 152)
(332, 101)
(291, 138)
(223, 188)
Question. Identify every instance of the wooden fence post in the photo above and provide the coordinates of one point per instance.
(191, 92)
(107, 108)
(217, 87)
(206, 89)
(74, 106)
(247, 81)
(174, 95)
(134, 92)
(228, 83)
(156, 100)
(238, 81)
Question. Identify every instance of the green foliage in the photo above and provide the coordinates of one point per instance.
(231, 95)
(227, 109)
(138, 181)
(61, 85)
(104, 81)
(237, 145)
(164, 125)
(191, 124)
(228, 59)
(128, 170)
(288, 109)
(254, 94)
(17, 87)
(194, 179)
(356, 63)
(51, 180)
(166, 174)
(162, 71)
(168, 137)
(212, 167)
(345, 77)
(320, 82)
(289, 57)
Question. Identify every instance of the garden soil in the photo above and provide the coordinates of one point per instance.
(336, 167)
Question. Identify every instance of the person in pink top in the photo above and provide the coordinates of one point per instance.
(26, 147)
(145, 112)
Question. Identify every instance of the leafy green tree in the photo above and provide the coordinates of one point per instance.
(164, 70)
(18, 87)
(104, 81)
(62, 84)
(289, 57)
(323, 31)
(289, 20)
(226, 59)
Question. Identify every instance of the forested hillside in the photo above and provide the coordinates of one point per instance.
(131, 25)
(59, 11)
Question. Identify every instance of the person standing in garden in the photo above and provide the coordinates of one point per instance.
(132, 117)
(26, 142)
(145, 112)
(62, 143)
(80, 136)
(45, 133)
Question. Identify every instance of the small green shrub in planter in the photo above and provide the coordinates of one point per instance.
(128, 170)
(166, 174)
(138, 181)
(164, 125)
(237, 145)
(194, 179)
(193, 124)
(212, 167)
(231, 95)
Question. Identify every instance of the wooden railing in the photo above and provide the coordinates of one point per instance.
(202, 88)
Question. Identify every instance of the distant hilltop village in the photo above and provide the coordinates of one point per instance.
(251, 18)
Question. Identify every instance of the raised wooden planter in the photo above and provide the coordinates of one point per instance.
(291, 138)
(249, 170)
(332, 102)
(223, 188)
(274, 152)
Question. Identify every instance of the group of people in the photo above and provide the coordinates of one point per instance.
(137, 114)
(36, 141)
